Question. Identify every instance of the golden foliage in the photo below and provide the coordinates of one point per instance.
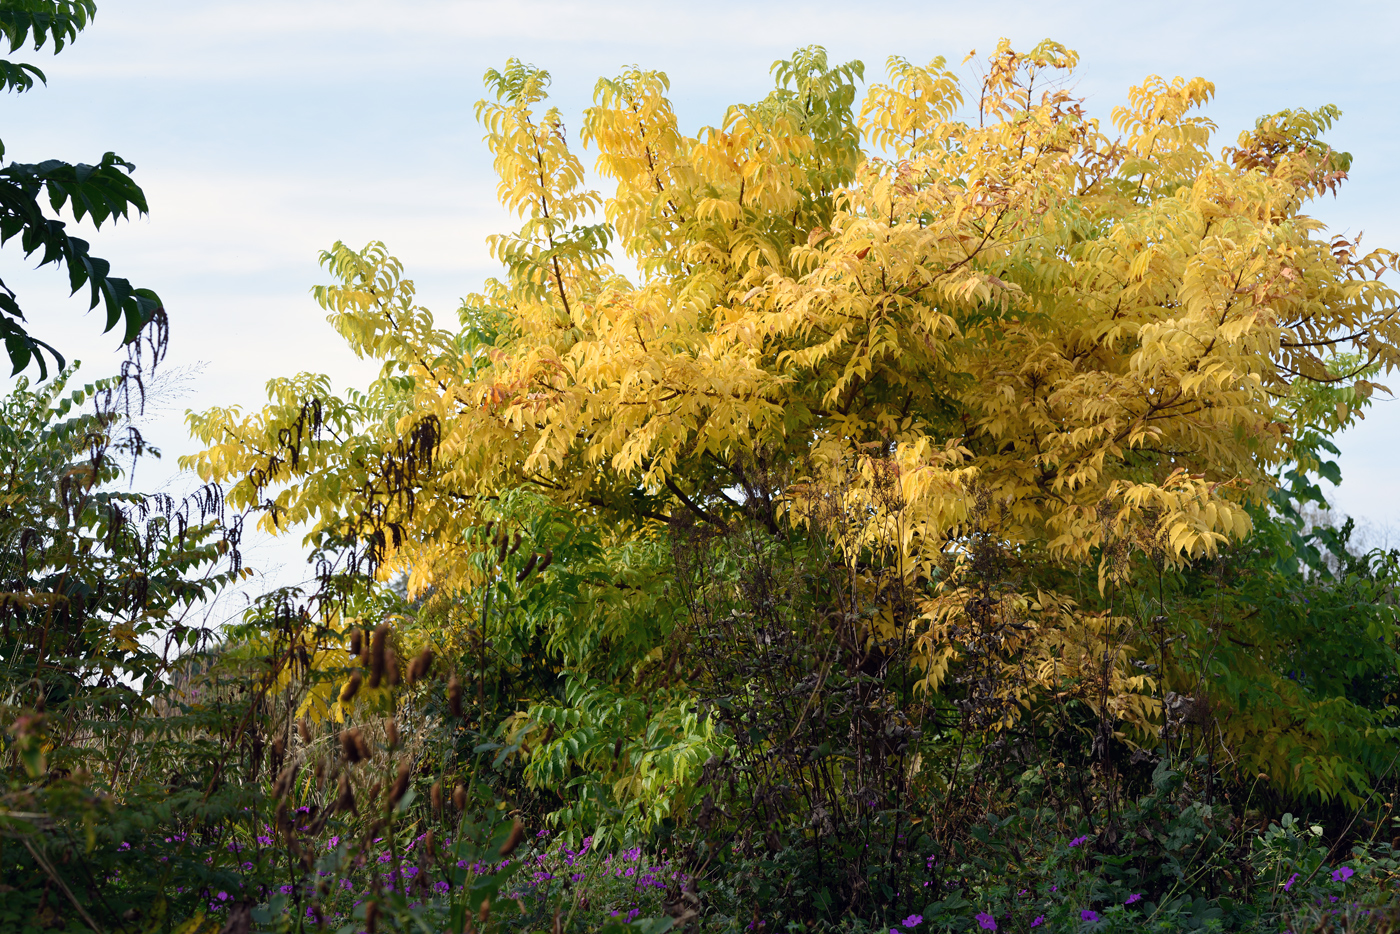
(1000, 301)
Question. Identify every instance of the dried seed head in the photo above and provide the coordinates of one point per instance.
(304, 731)
(530, 563)
(282, 817)
(373, 793)
(501, 548)
(353, 745)
(285, 782)
(430, 844)
(546, 561)
(454, 696)
(435, 796)
(279, 748)
(485, 912)
(617, 748)
(352, 687)
(391, 733)
(517, 833)
(459, 798)
(345, 800)
(371, 916)
(378, 644)
(515, 546)
(420, 666)
(400, 786)
(391, 666)
(356, 643)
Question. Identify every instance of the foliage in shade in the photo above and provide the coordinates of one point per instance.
(99, 193)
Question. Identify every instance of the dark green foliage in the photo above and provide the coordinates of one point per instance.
(100, 193)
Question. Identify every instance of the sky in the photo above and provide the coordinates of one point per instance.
(263, 132)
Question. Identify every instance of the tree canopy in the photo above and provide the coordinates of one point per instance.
(985, 300)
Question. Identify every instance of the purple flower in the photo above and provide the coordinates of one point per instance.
(1343, 874)
(332, 843)
(985, 921)
(913, 921)
(1078, 840)
(1087, 915)
(1289, 884)
(1135, 897)
(1039, 920)
(264, 841)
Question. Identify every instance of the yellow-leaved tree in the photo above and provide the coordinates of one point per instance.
(958, 310)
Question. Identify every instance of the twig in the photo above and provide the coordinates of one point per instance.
(44, 865)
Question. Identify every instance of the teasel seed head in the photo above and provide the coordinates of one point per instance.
(517, 833)
(420, 666)
(352, 687)
(454, 696)
(391, 666)
(400, 786)
(378, 644)
(352, 743)
(345, 800)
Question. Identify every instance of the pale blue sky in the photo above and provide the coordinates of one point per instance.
(263, 132)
